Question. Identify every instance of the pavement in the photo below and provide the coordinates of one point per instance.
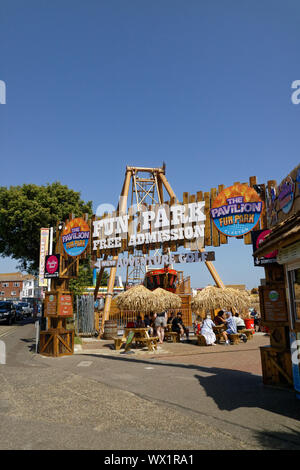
(181, 397)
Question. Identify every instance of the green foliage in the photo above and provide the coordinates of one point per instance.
(24, 210)
(83, 280)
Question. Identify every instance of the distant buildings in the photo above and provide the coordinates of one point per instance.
(18, 286)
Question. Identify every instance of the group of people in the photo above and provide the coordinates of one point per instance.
(232, 325)
(157, 322)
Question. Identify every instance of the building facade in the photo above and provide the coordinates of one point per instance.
(18, 286)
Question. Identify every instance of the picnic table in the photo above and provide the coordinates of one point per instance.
(140, 336)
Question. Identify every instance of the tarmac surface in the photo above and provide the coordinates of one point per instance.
(181, 397)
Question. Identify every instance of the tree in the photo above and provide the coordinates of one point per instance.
(85, 278)
(24, 210)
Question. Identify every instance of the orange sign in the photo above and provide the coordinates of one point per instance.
(65, 305)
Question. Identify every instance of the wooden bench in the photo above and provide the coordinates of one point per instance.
(151, 342)
(173, 336)
(248, 333)
(201, 341)
(234, 338)
(119, 341)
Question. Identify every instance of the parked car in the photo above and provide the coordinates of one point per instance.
(7, 312)
(19, 313)
(26, 308)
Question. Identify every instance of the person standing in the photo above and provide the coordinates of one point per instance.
(160, 324)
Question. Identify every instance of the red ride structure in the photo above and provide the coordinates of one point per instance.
(165, 278)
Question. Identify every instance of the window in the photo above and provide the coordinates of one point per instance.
(16, 284)
(294, 287)
(13, 292)
(5, 284)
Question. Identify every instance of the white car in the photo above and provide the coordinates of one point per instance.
(26, 308)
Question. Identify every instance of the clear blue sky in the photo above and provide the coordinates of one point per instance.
(203, 85)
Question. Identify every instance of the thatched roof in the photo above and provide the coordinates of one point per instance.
(138, 299)
(212, 298)
(167, 299)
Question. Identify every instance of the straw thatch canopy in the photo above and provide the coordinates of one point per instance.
(211, 298)
(167, 299)
(241, 298)
(138, 299)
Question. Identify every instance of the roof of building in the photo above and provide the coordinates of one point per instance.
(15, 277)
(284, 233)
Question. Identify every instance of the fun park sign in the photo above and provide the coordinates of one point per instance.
(163, 224)
(75, 237)
(236, 210)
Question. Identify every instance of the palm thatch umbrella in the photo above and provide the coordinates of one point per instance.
(211, 298)
(167, 299)
(241, 299)
(138, 299)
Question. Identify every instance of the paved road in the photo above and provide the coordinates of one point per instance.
(94, 402)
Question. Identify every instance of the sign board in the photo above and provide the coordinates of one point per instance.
(58, 304)
(43, 253)
(136, 261)
(50, 303)
(258, 237)
(273, 304)
(65, 305)
(284, 201)
(75, 237)
(52, 263)
(236, 210)
(163, 224)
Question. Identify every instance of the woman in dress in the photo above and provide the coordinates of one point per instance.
(207, 331)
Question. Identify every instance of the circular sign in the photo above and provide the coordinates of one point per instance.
(52, 264)
(286, 194)
(273, 295)
(259, 241)
(236, 210)
(75, 237)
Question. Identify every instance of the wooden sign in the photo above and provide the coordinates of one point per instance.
(50, 303)
(59, 304)
(273, 304)
(65, 304)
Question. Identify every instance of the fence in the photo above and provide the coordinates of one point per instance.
(85, 324)
(125, 316)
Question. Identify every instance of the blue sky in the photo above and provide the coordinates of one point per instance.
(203, 85)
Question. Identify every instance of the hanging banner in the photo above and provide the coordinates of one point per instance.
(75, 237)
(43, 252)
(258, 237)
(236, 210)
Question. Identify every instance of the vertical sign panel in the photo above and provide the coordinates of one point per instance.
(43, 252)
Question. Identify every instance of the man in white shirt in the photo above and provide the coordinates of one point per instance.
(240, 324)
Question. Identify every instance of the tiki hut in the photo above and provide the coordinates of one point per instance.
(138, 299)
(212, 298)
(167, 300)
(242, 300)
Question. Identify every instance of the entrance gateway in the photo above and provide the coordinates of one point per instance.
(151, 219)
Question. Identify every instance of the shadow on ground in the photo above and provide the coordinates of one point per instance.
(232, 389)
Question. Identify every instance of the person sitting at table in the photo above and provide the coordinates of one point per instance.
(231, 327)
(152, 324)
(208, 332)
(171, 318)
(219, 319)
(179, 327)
(160, 324)
(139, 323)
(240, 324)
